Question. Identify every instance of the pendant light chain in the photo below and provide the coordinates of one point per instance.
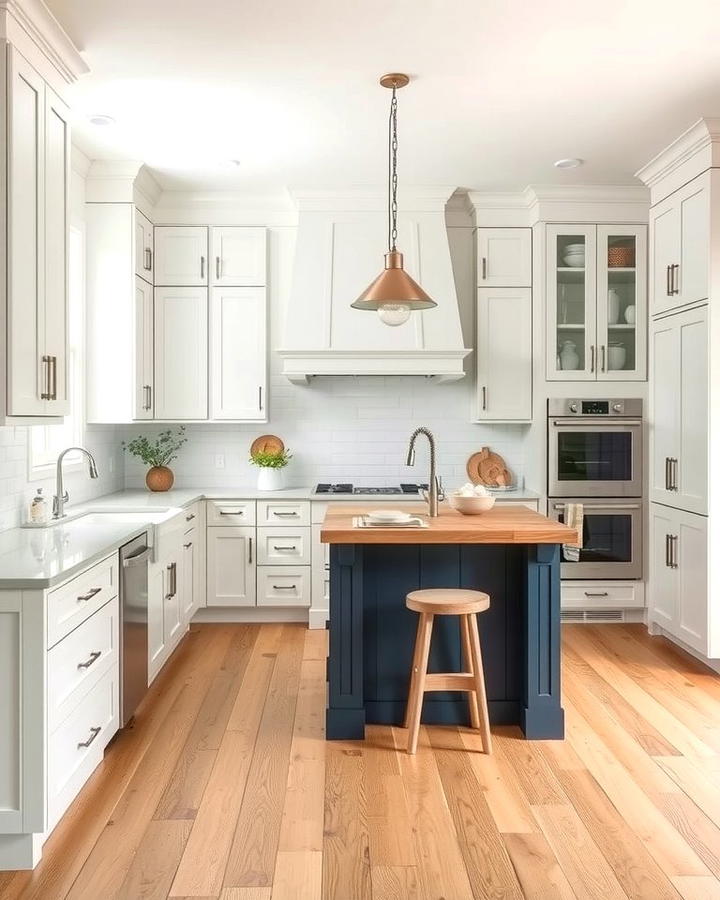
(393, 178)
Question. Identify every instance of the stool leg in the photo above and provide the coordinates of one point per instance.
(414, 670)
(415, 701)
(480, 683)
(469, 667)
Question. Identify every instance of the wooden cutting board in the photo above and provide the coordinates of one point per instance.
(267, 443)
(488, 468)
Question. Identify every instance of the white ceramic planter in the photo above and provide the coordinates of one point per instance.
(270, 479)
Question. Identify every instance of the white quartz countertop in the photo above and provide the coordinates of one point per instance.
(38, 558)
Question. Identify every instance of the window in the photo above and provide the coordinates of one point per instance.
(47, 441)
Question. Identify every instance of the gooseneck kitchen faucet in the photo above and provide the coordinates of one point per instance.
(61, 495)
(434, 492)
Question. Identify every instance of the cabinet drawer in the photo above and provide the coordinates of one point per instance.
(283, 512)
(72, 603)
(283, 586)
(77, 662)
(231, 512)
(76, 747)
(283, 546)
(602, 595)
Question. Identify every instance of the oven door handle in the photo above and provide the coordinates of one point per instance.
(620, 506)
(585, 424)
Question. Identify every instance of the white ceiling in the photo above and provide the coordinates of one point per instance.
(501, 88)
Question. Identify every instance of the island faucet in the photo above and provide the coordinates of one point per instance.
(434, 492)
(61, 495)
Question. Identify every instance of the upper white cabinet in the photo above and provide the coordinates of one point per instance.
(38, 165)
(596, 302)
(144, 375)
(680, 246)
(181, 345)
(679, 395)
(144, 247)
(238, 256)
(504, 354)
(181, 255)
(238, 364)
(504, 257)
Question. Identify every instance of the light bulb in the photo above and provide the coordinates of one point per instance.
(394, 313)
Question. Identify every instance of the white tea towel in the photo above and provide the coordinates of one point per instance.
(573, 519)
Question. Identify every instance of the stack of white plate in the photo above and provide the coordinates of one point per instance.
(390, 517)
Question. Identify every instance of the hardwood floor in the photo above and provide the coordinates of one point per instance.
(225, 788)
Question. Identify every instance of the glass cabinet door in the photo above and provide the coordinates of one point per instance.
(571, 308)
(621, 302)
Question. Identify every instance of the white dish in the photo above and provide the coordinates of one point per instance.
(387, 516)
(471, 506)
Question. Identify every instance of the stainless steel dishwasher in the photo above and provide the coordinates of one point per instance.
(134, 558)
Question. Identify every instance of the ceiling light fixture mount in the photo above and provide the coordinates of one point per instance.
(100, 119)
(393, 294)
(571, 162)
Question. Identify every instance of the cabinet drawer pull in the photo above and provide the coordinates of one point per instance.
(190, 517)
(237, 512)
(94, 657)
(94, 732)
(285, 514)
(595, 593)
(188, 545)
(275, 547)
(217, 267)
(83, 598)
(484, 268)
(249, 550)
(202, 267)
(284, 587)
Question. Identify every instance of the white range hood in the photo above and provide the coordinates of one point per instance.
(340, 244)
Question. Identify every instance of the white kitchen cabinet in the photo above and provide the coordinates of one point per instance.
(167, 593)
(283, 546)
(504, 355)
(238, 256)
(181, 255)
(144, 247)
(231, 566)
(156, 616)
(38, 166)
(238, 353)
(181, 344)
(504, 257)
(596, 302)
(192, 593)
(144, 376)
(678, 571)
(283, 586)
(680, 246)
(679, 402)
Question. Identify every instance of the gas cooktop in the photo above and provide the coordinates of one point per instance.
(346, 488)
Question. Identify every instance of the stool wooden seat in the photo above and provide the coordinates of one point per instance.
(448, 602)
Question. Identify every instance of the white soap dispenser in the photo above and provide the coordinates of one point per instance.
(38, 509)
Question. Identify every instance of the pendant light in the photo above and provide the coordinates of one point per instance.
(393, 294)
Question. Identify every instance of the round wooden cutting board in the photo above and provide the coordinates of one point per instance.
(488, 468)
(267, 443)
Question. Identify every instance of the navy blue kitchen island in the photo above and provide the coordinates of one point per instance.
(512, 553)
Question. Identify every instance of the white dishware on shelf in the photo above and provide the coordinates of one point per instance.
(630, 314)
(569, 357)
(616, 356)
(613, 306)
(574, 259)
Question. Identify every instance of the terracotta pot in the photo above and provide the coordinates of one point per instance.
(159, 478)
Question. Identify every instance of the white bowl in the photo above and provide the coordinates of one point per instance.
(471, 506)
(574, 260)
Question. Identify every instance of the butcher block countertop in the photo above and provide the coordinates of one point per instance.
(500, 525)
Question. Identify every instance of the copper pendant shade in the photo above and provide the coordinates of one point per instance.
(393, 290)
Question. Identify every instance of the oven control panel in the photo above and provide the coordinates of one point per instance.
(599, 408)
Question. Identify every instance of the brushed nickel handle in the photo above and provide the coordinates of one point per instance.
(674, 279)
(202, 267)
(484, 268)
(602, 349)
(260, 406)
(94, 732)
(592, 357)
(667, 473)
(94, 657)
(673, 474)
(284, 514)
(249, 550)
(83, 598)
(237, 512)
(668, 288)
(673, 551)
(610, 506)
(284, 587)
(595, 593)
(147, 264)
(188, 545)
(667, 551)
(275, 547)
(217, 268)
(484, 397)
(191, 517)
(45, 393)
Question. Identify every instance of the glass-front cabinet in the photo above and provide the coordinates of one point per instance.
(596, 302)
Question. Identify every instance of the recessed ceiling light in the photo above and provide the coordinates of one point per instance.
(100, 119)
(569, 163)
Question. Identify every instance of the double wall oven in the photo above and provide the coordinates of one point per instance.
(595, 454)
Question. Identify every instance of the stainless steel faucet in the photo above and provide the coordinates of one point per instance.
(61, 495)
(434, 492)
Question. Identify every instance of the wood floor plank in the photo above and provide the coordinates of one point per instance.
(244, 893)
(537, 867)
(153, 867)
(202, 867)
(298, 875)
(395, 883)
(346, 852)
(316, 644)
(534, 777)
(586, 869)
(252, 855)
(695, 827)
(697, 887)
(389, 826)
(484, 853)
(693, 782)
(441, 868)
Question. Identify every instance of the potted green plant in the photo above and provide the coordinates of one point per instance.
(157, 454)
(270, 465)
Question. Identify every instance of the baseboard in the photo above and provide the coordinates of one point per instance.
(20, 851)
(713, 664)
(252, 614)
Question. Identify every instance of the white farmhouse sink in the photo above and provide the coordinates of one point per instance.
(129, 515)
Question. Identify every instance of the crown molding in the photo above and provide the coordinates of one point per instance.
(21, 20)
(703, 135)
(147, 186)
(415, 198)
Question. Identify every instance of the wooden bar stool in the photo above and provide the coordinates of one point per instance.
(448, 602)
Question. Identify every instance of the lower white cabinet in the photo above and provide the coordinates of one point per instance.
(679, 599)
(283, 546)
(181, 353)
(504, 355)
(283, 586)
(192, 587)
(231, 563)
